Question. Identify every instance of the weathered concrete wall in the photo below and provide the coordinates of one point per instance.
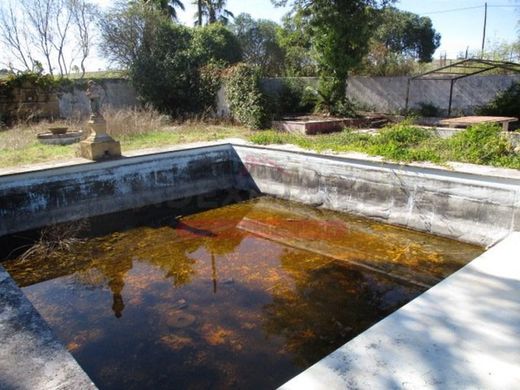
(27, 102)
(31, 356)
(37, 199)
(388, 94)
(473, 208)
(118, 93)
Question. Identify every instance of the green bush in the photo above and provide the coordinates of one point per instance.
(506, 103)
(247, 102)
(428, 110)
(480, 144)
(293, 97)
(178, 70)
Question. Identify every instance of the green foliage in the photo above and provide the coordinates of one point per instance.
(178, 70)
(339, 33)
(480, 144)
(247, 102)
(212, 11)
(331, 98)
(259, 42)
(408, 34)
(126, 29)
(294, 97)
(167, 7)
(506, 103)
(295, 39)
(215, 42)
(45, 82)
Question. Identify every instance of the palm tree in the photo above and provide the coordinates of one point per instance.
(167, 6)
(213, 11)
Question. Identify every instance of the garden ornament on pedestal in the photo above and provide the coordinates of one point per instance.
(99, 145)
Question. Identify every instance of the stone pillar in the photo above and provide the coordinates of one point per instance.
(99, 145)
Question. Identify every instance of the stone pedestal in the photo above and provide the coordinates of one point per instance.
(99, 145)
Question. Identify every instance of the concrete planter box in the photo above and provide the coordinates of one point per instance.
(316, 125)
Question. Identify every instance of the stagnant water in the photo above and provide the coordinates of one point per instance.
(242, 296)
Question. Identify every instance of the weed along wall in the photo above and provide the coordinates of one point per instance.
(478, 207)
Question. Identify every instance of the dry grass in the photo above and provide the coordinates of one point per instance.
(134, 128)
(130, 121)
(55, 239)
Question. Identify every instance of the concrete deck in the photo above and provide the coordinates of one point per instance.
(30, 355)
(464, 333)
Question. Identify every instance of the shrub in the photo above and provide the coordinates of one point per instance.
(293, 97)
(404, 142)
(178, 70)
(506, 103)
(480, 144)
(428, 110)
(247, 102)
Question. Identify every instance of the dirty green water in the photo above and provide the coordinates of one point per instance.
(242, 296)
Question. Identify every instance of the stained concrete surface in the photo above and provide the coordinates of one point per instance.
(449, 331)
(464, 333)
(30, 355)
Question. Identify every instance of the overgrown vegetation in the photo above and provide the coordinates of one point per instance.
(45, 82)
(247, 102)
(56, 239)
(506, 103)
(178, 69)
(135, 128)
(480, 144)
(294, 96)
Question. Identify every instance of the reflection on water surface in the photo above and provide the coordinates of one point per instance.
(242, 296)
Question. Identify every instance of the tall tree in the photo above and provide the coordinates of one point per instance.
(125, 29)
(14, 37)
(49, 32)
(407, 33)
(84, 15)
(168, 7)
(400, 40)
(340, 31)
(259, 42)
(212, 11)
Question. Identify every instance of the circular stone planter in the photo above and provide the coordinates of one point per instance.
(60, 139)
(58, 130)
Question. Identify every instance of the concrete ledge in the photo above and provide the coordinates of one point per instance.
(35, 199)
(463, 333)
(31, 357)
(475, 204)
(478, 207)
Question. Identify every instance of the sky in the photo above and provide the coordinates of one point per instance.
(460, 22)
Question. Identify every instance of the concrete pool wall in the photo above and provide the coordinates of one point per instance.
(475, 204)
(479, 207)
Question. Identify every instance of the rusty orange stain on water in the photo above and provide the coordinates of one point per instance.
(245, 296)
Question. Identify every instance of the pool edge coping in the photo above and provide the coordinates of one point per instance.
(384, 354)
